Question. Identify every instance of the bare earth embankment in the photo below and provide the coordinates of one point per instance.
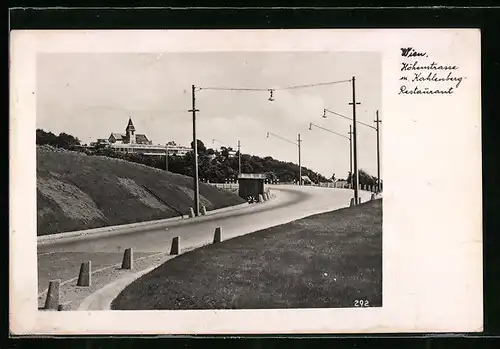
(322, 261)
(76, 191)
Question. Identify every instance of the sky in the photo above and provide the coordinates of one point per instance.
(90, 95)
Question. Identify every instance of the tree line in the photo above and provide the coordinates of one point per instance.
(63, 140)
(215, 166)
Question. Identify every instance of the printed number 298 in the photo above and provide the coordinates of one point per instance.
(361, 303)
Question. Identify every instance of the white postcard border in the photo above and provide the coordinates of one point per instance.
(432, 225)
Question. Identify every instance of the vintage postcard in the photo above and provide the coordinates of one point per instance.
(245, 181)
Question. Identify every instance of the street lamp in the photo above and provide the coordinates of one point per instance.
(340, 135)
(239, 152)
(376, 128)
(196, 180)
(271, 98)
(298, 143)
(378, 121)
(354, 135)
(195, 143)
(166, 157)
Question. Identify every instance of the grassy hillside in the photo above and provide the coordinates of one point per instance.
(327, 260)
(76, 191)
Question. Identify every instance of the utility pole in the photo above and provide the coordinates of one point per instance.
(300, 164)
(166, 157)
(378, 121)
(350, 154)
(239, 157)
(294, 143)
(356, 173)
(341, 135)
(196, 184)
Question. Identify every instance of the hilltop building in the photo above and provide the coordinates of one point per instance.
(132, 142)
(129, 137)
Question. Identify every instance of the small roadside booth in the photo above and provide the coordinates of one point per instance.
(251, 184)
(306, 180)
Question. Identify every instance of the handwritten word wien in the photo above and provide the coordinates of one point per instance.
(411, 52)
(427, 78)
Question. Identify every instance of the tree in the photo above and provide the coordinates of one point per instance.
(67, 141)
(364, 178)
(200, 145)
(43, 137)
(214, 169)
(171, 144)
(224, 152)
(64, 140)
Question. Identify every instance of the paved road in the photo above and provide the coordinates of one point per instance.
(62, 260)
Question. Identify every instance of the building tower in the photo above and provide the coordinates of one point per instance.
(130, 130)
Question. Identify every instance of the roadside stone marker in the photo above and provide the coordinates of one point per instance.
(175, 246)
(261, 199)
(85, 276)
(52, 300)
(217, 235)
(203, 210)
(352, 202)
(128, 259)
(64, 306)
(191, 212)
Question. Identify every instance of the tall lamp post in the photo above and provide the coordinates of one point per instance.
(340, 135)
(356, 172)
(271, 98)
(239, 157)
(298, 143)
(377, 122)
(196, 183)
(377, 129)
(166, 157)
(350, 155)
(239, 152)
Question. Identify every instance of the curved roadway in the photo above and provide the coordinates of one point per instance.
(61, 259)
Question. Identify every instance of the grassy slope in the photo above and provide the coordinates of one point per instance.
(326, 260)
(97, 178)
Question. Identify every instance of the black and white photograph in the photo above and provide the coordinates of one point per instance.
(224, 181)
(277, 205)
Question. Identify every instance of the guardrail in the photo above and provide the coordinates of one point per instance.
(342, 185)
(225, 185)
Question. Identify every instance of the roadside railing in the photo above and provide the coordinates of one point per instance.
(337, 185)
(230, 186)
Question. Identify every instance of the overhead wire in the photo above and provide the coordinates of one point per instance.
(216, 88)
